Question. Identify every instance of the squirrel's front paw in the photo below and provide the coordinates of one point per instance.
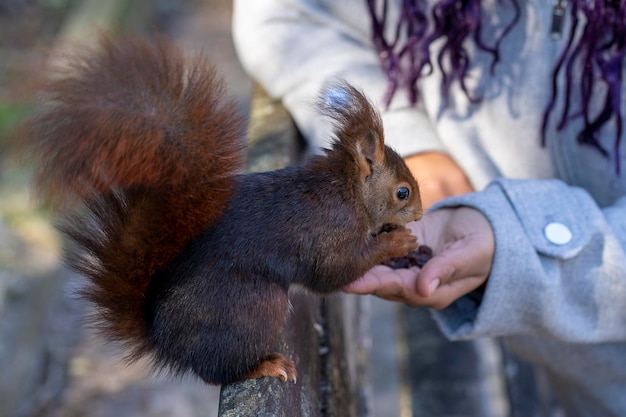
(398, 242)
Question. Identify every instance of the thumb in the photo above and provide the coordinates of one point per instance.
(438, 269)
(465, 258)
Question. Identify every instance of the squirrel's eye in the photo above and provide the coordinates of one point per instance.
(403, 193)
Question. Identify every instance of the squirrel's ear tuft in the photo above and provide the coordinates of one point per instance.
(336, 97)
(358, 126)
(339, 100)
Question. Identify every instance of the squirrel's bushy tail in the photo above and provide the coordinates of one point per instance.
(148, 143)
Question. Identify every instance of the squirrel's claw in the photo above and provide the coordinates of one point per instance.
(276, 366)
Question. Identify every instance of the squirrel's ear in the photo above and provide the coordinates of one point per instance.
(367, 151)
(358, 125)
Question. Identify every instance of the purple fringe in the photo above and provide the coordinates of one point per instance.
(599, 51)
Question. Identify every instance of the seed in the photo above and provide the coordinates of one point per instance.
(417, 258)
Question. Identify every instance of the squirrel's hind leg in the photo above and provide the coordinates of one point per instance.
(276, 366)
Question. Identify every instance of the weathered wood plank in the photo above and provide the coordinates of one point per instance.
(345, 365)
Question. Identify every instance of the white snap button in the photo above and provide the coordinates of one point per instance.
(557, 233)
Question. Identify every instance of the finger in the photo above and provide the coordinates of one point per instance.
(386, 283)
(446, 294)
(443, 296)
(439, 269)
(373, 279)
(464, 258)
(399, 288)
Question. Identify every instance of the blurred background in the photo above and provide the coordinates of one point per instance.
(53, 365)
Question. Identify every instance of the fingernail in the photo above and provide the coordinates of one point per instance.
(433, 286)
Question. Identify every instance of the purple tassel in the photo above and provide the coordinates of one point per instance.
(599, 51)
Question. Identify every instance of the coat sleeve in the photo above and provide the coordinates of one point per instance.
(293, 47)
(559, 268)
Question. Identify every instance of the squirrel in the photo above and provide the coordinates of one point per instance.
(188, 260)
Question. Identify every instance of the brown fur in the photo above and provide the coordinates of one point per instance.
(138, 118)
(187, 260)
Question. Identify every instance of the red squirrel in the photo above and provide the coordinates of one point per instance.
(189, 260)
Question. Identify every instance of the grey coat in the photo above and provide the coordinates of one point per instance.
(557, 290)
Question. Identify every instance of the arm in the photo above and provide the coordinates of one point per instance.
(572, 291)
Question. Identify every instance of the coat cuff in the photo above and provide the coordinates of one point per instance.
(520, 213)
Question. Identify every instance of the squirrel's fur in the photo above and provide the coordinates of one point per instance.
(189, 260)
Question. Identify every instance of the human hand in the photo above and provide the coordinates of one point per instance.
(463, 245)
(438, 177)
